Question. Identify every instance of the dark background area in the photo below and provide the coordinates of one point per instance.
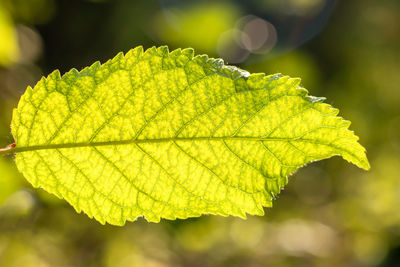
(330, 214)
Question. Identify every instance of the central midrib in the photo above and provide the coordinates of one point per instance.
(154, 141)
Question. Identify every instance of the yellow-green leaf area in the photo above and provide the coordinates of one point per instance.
(171, 135)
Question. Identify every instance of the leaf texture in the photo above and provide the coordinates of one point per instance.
(169, 135)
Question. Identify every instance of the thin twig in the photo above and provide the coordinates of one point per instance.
(7, 150)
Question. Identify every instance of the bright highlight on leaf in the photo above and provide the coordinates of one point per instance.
(168, 135)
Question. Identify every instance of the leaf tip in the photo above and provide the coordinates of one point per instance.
(189, 52)
(176, 52)
(138, 51)
(150, 52)
(163, 50)
(358, 157)
(54, 75)
(364, 163)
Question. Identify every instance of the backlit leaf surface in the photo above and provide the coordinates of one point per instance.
(168, 135)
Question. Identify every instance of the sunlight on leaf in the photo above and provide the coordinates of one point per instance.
(168, 135)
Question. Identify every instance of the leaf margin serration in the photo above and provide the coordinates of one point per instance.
(215, 65)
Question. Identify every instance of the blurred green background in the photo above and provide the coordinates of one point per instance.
(330, 214)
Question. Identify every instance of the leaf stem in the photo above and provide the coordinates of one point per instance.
(7, 150)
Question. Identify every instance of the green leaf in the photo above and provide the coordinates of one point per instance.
(170, 135)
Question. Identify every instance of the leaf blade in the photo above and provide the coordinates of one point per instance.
(165, 134)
